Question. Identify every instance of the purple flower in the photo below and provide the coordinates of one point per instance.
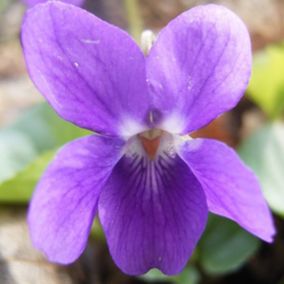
(151, 185)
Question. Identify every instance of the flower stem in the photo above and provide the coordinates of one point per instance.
(134, 18)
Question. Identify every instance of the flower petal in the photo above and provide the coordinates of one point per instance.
(153, 213)
(65, 201)
(231, 189)
(199, 67)
(31, 3)
(92, 73)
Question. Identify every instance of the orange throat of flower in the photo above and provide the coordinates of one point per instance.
(150, 141)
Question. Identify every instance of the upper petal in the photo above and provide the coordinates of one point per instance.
(231, 189)
(199, 67)
(153, 213)
(65, 201)
(92, 73)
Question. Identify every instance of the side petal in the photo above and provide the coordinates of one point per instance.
(92, 73)
(153, 213)
(231, 189)
(199, 67)
(65, 201)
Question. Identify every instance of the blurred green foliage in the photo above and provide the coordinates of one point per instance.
(264, 153)
(46, 129)
(19, 188)
(224, 246)
(266, 87)
(189, 275)
(27, 146)
(16, 151)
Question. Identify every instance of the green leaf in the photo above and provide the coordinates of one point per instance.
(189, 275)
(224, 246)
(16, 150)
(264, 153)
(266, 87)
(37, 131)
(155, 275)
(46, 129)
(19, 188)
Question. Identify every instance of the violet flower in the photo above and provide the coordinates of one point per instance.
(151, 184)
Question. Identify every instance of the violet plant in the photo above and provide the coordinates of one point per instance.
(150, 183)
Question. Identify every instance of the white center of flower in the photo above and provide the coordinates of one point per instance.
(151, 143)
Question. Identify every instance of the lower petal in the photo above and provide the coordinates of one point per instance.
(65, 201)
(231, 189)
(153, 212)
